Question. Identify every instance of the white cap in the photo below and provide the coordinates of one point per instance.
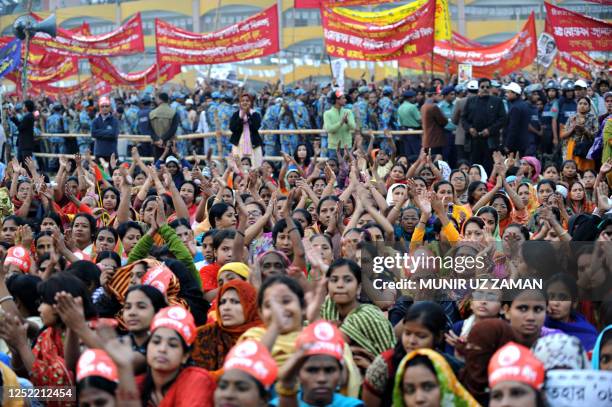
(580, 84)
(513, 87)
(472, 85)
(189, 102)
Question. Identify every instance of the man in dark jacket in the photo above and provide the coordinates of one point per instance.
(144, 125)
(164, 122)
(483, 119)
(25, 143)
(516, 133)
(105, 131)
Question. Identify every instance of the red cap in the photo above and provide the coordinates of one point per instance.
(95, 362)
(253, 358)
(514, 362)
(178, 319)
(321, 338)
(20, 257)
(158, 277)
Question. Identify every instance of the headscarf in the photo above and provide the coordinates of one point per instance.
(390, 193)
(452, 393)
(483, 174)
(561, 351)
(489, 335)
(9, 380)
(495, 233)
(597, 348)
(120, 282)
(536, 165)
(214, 341)
(366, 325)
(578, 327)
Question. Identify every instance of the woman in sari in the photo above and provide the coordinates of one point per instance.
(235, 314)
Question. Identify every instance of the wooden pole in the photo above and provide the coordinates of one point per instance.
(217, 14)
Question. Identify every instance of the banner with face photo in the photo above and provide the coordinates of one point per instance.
(547, 49)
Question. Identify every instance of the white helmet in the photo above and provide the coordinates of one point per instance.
(472, 85)
(581, 84)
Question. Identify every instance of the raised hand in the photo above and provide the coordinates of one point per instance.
(70, 310)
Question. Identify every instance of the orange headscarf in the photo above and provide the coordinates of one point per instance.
(213, 340)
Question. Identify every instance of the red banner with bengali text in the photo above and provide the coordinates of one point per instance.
(84, 87)
(103, 69)
(125, 40)
(503, 58)
(255, 37)
(351, 38)
(336, 3)
(577, 63)
(577, 32)
(37, 74)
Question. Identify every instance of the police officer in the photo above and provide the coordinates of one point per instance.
(271, 121)
(550, 131)
(567, 105)
(56, 124)
(144, 126)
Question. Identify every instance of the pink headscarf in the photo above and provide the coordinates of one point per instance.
(535, 164)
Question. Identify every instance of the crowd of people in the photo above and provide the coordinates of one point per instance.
(244, 268)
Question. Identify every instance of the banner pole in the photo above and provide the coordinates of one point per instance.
(218, 12)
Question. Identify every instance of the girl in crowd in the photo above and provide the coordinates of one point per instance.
(423, 327)
(424, 378)
(516, 378)
(562, 294)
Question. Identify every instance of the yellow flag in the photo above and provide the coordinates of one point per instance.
(391, 16)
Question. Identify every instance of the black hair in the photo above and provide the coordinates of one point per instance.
(549, 182)
(41, 234)
(216, 212)
(98, 383)
(491, 211)
(19, 221)
(281, 225)
(326, 198)
(483, 80)
(309, 153)
(352, 266)
(478, 221)
(23, 288)
(222, 235)
(259, 205)
(179, 222)
(522, 228)
(195, 188)
(163, 96)
(90, 219)
(374, 225)
(541, 258)
(86, 271)
(110, 229)
(471, 189)
(326, 237)
(45, 257)
(55, 218)
(431, 315)
(157, 298)
(126, 226)
(306, 215)
(65, 281)
(29, 105)
(290, 282)
(566, 280)
(108, 254)
(509, 296)
(114, 191)
(438, 184)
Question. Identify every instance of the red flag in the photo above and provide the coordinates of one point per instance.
(576, 32)
(104, 69)
(255, 37)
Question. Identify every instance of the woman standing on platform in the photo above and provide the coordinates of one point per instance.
(245, 138)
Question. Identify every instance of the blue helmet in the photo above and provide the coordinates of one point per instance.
(387, 90)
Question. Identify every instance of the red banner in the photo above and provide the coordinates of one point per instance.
(503, 58)
(576, 32)
(336, 3)
(55, 91)
(103, 69)
(350, 38)
(37, 74)
(125, 40)
(255, 37)
(577, 63)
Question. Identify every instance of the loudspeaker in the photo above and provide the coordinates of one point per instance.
(27, 24)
